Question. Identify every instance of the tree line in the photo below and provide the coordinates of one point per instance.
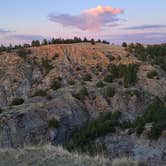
(37, 43)
(155, 54)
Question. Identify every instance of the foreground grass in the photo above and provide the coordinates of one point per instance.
(55, 156)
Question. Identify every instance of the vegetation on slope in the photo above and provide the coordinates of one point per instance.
(56, 156)
(156, 114)
(84, 139)
(155, 54)
(17, 101)
(127, 72)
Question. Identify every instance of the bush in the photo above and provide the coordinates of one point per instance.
(71, 82)
(142, 56)
(93, 129)
(100, 84)
(108, 78)
(152, 74)
(128, 72)
(134, 92)
(17, 101)
(56, 84)
(46, 65)
(42, 93)
(22, 52)
(157, 130)
(156, 114)
(139, 126)
(53, 123)
(155, 54)
(56, 55)
(109, 92)
(124, 44)
(83, 92)
(87, 77)
(130, 75)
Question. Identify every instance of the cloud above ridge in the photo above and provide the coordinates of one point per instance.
(4, 31)
(143, 27)
(92, 20)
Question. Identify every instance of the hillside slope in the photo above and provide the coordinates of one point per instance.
(48, 93)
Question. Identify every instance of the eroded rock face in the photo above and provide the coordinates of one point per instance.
(28, 124)
(3, 96)
(141, 149)
(20, 128)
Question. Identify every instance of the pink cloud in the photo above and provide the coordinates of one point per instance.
(104, 9)
(92, 20)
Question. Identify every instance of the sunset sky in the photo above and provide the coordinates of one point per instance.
(114, 20)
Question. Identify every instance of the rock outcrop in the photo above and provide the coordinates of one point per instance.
(29, 123)
(140, 149)
(25, 78)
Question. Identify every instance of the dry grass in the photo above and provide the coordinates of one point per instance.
(124, 162)
(48, 156)
(55, 156)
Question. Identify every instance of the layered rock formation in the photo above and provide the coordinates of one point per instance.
(28, 123)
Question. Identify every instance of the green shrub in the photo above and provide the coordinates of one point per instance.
(56, 55)
(108, 78)
(113, 70)
(42, 93)
(140, 123)
(156, 114)
(56, 84)
(155, 54)
(83, 92)
(109, 92)
(134, 92)
(22, 52)
(124, 44)
(71, 82)
(128, 72)
(83, 83)
(87, 77)
(100, 84)
(17, 101)
(99, 67)
(142, 56)
(152, 74)
(46, 65)
(119, 70)
(156, 130)
(85, 137)
(127, 125)
(130, 75)
(53, 123)
(163, 65)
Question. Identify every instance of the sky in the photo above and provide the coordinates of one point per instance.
(22, 21)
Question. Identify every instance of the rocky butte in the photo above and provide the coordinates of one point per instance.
(86, 97)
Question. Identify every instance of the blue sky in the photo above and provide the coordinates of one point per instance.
(114, 20)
